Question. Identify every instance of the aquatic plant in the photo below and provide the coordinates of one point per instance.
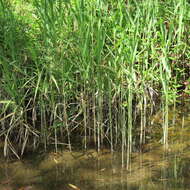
(84, 72)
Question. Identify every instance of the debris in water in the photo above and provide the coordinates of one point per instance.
(73, 186)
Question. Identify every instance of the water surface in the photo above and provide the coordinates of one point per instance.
(153, 169)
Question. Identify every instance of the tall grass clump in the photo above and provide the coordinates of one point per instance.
(85, 72)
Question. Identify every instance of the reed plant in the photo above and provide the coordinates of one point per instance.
(78, 71)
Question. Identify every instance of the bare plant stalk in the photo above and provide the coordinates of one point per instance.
(94, 118)
(66, 122)
(129, 142)
(99, 120)
(110, 119)
(83, 102)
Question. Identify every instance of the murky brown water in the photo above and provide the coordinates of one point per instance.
(154, 169)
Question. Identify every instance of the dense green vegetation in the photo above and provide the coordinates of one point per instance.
(74, 71)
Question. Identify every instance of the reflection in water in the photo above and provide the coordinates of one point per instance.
(154, 169)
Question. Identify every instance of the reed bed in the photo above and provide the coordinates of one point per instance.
(80, 72)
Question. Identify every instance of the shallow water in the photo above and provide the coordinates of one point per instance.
(154, 169)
